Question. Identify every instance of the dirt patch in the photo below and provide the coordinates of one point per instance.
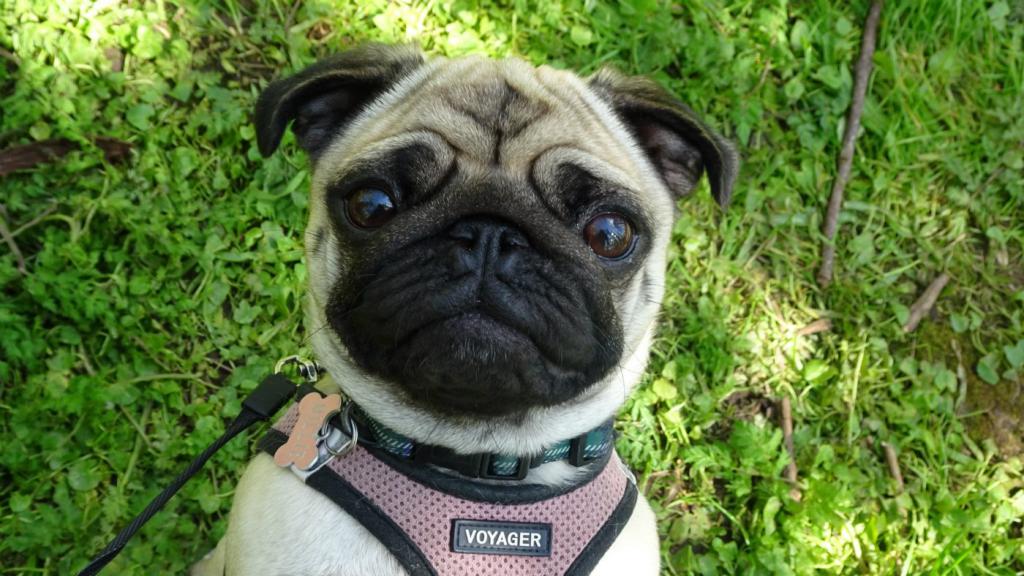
(997, 412)
(746, 404)
(988, 411)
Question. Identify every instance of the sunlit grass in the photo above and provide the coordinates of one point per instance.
(186, 261)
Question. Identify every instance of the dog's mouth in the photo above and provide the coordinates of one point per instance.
(474, 355)
(474, 334)
(484, 366)
(475, 363)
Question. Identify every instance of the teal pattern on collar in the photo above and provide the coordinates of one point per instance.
(592, 445)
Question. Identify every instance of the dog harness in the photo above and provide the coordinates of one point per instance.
(437, 524)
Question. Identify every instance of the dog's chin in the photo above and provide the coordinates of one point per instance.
(474, 365)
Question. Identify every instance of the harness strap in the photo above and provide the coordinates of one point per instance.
(375, 520)
(602, 541)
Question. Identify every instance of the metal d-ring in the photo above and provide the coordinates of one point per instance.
(308, 369)
(352, 432)
(293, 359)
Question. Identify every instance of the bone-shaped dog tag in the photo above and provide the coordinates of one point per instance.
(301, 449)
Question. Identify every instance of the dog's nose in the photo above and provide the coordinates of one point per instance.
(484, 242)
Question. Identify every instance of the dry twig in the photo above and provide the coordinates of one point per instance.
(925, 302)
(10, 57)
(651, 478)
(787, 436)
(30, 155)
(860, 86)
(819, 325)
(5, 233)
(961, 376)
(677, 486)
(894, 465)
(38, 218)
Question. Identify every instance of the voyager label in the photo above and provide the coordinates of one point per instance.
(506, 538)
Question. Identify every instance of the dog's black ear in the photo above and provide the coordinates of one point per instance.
(678, 143)
(324, 96)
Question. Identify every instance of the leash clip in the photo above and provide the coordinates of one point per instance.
(308, 369)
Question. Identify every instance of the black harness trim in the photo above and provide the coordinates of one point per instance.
(326, 482)
(602, 541)
(379, 524)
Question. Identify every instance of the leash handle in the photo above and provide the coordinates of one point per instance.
(269, 397)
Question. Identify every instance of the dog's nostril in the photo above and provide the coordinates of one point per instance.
(464, 236)
(514, 240)
(487, 236)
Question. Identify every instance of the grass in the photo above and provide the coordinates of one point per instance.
(158, 289)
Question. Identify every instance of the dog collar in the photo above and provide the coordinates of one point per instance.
(582, 450)
(352, 425)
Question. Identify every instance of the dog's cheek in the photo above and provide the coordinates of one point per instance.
(637, 301)
(326, 262)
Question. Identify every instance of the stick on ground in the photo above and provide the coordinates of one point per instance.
(819, 325)
(860, 86)
(787, 438)
(925, 302)
(8, 239)
(961, 376)
(30, 155)
(894, 465)
(36, 219)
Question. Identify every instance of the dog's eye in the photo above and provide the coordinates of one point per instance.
(370, 207)
(609, 235)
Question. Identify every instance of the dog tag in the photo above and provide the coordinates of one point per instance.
(302, 447)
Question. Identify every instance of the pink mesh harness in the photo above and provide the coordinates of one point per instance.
(481, 531)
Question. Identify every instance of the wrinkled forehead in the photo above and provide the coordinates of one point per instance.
(497, 114)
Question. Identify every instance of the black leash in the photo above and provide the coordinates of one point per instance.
(269, 397)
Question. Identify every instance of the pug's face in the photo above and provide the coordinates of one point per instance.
(486, 239)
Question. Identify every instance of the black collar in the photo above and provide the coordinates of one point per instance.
(582, 450)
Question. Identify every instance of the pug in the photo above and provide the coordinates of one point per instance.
(486, 251)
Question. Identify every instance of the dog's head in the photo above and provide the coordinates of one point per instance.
(487, 239)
